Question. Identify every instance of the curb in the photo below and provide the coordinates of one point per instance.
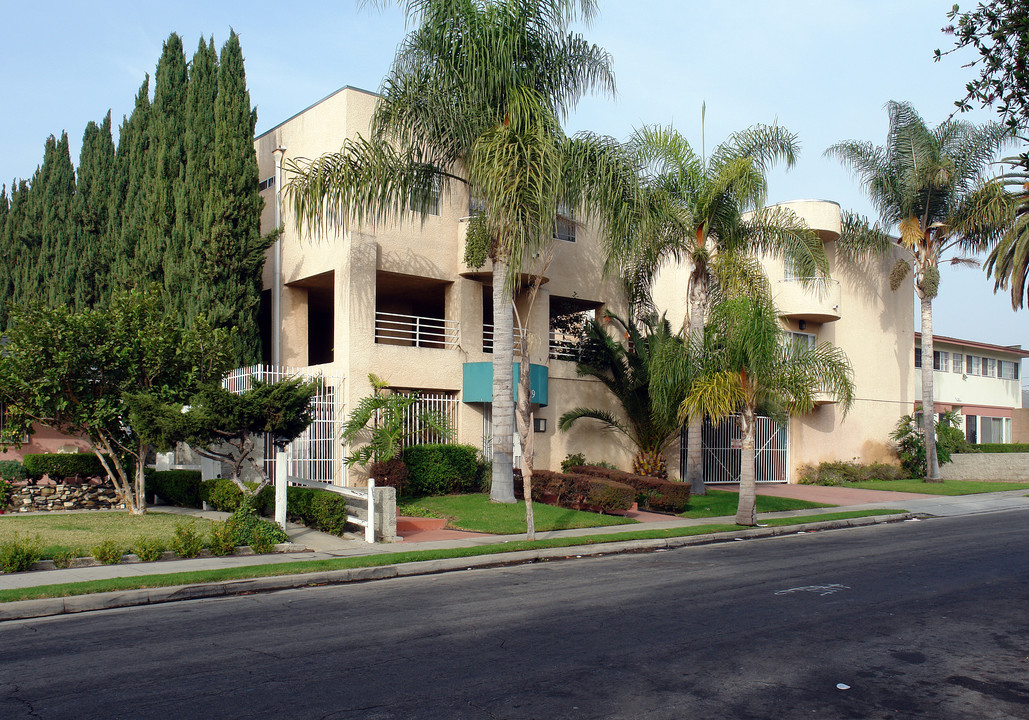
(26, 609)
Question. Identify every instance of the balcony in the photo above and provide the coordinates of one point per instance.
(565, 345)
(810, 299)
(487, 339)
(416, 331)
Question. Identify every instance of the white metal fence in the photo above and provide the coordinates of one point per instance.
(722, 451)
(416, 331)
(317, 453)
(443, 404)
(487, 339)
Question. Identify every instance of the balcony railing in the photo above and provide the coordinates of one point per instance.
(487, 339)
(565, 345)
(416, 331)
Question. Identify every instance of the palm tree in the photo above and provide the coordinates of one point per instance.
(1008, 261)
(475, 97)
(699, 207)
(745, 365)
(930, 186)
(625, 370)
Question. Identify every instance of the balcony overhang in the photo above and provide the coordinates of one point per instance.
(478, 383)
(814, 301)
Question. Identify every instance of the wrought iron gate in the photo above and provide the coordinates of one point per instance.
(722, 451)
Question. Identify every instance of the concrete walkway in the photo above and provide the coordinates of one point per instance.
(323, 546)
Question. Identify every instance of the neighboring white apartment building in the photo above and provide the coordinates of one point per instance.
(981, 381)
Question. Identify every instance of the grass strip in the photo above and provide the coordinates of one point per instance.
(947, 487)
(720, 503)
(309, 566)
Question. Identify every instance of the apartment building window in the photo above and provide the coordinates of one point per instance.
(564, 227)
(804, 341)
(425, 200)
(941, 361)
(989, 367)
(476, 203)
(973, 365)
(994, 430)
(266, 184)
(1007, 370)
(918, 357)
(958, 363)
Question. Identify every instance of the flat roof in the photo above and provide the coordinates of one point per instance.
(1009, 349)
(315, 104)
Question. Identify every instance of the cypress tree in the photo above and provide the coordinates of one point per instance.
(6, 258)
(233, 256)
(92, 222)
(165, 163)
(15, 249)
(127, 215)
(49, 278)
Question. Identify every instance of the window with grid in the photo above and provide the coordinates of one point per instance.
(941, 361)
(425, 199)
(802, 341)
(918, 357)
(958, 363)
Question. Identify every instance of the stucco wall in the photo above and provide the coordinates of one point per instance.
(987, 466)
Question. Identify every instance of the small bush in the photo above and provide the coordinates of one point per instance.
(223, 495)
(19, 554)
(186, 541)
(840, 473)
(222, 539)
(573, 460)
(439, 469)
(58, 465)
(390, 473)
(148, 549)
(651, 493)
(980, 447)
(249, 529)
(5, 493)
(12, 471)
(415, 511)
(107, 552)
(63, 558)
(580, 491)
(176, 487)
(317, 509)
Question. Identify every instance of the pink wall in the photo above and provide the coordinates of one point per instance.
(45, 440)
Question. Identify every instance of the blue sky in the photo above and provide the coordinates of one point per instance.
(822, 68)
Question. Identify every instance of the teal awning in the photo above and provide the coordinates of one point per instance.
(478, 383)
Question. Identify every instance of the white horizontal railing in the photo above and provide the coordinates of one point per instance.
(416, 331)
(565, 345)
(487, 339)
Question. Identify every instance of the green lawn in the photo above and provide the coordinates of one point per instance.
(475, 512)
(948, 487)
(720, 503)
(309, 566)
(79, 532)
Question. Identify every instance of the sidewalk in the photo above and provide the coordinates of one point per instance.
(322, 546)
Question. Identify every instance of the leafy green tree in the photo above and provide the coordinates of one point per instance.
(228, 427)
(999, 32)
(931, 186)
(745, 365)
(1008, 261)
(911, 441)
(474, 97)
(73, 371)
(93, 253)
(700, 207)
(625, 369)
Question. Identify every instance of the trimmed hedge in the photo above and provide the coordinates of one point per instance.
(438, 469)
(317, 509)
(1001, 448)
(841, 473)
(176, 487)
(223, 495)
(580, 492)
(651, 493)
(60, 465)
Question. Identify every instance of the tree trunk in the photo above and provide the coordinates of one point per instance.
(140, 490)
(694, 431)
(502, 486)
(524, 417)
(932, 465)
(746, 513)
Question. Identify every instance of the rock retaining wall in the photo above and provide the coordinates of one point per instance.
(69, 494)
(987, 466)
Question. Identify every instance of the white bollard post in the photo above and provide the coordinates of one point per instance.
(281, 472)
(369, 529)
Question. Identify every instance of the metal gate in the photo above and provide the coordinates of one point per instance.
(722, 443)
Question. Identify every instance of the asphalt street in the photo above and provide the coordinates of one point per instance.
(924, 619)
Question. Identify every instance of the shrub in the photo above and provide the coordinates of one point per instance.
(438, 469)
(580, 491)
(186, 541)
(222, 539)
(223, 495)
(981, 447)
(249, 529)
(58, 465)
(19, 554)
(839, 472)
(148, 549)
(573, 460)
(911, 445)
(107, 552)
(63, 558)
(651, 493)
(317, 509)
(5, 493)
(12, 471)
(390, 473)
(176, 487)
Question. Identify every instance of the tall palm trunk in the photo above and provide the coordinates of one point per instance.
(746, 513)
(502, 487)
(932, 464)
(525, 432)
(694, 431)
